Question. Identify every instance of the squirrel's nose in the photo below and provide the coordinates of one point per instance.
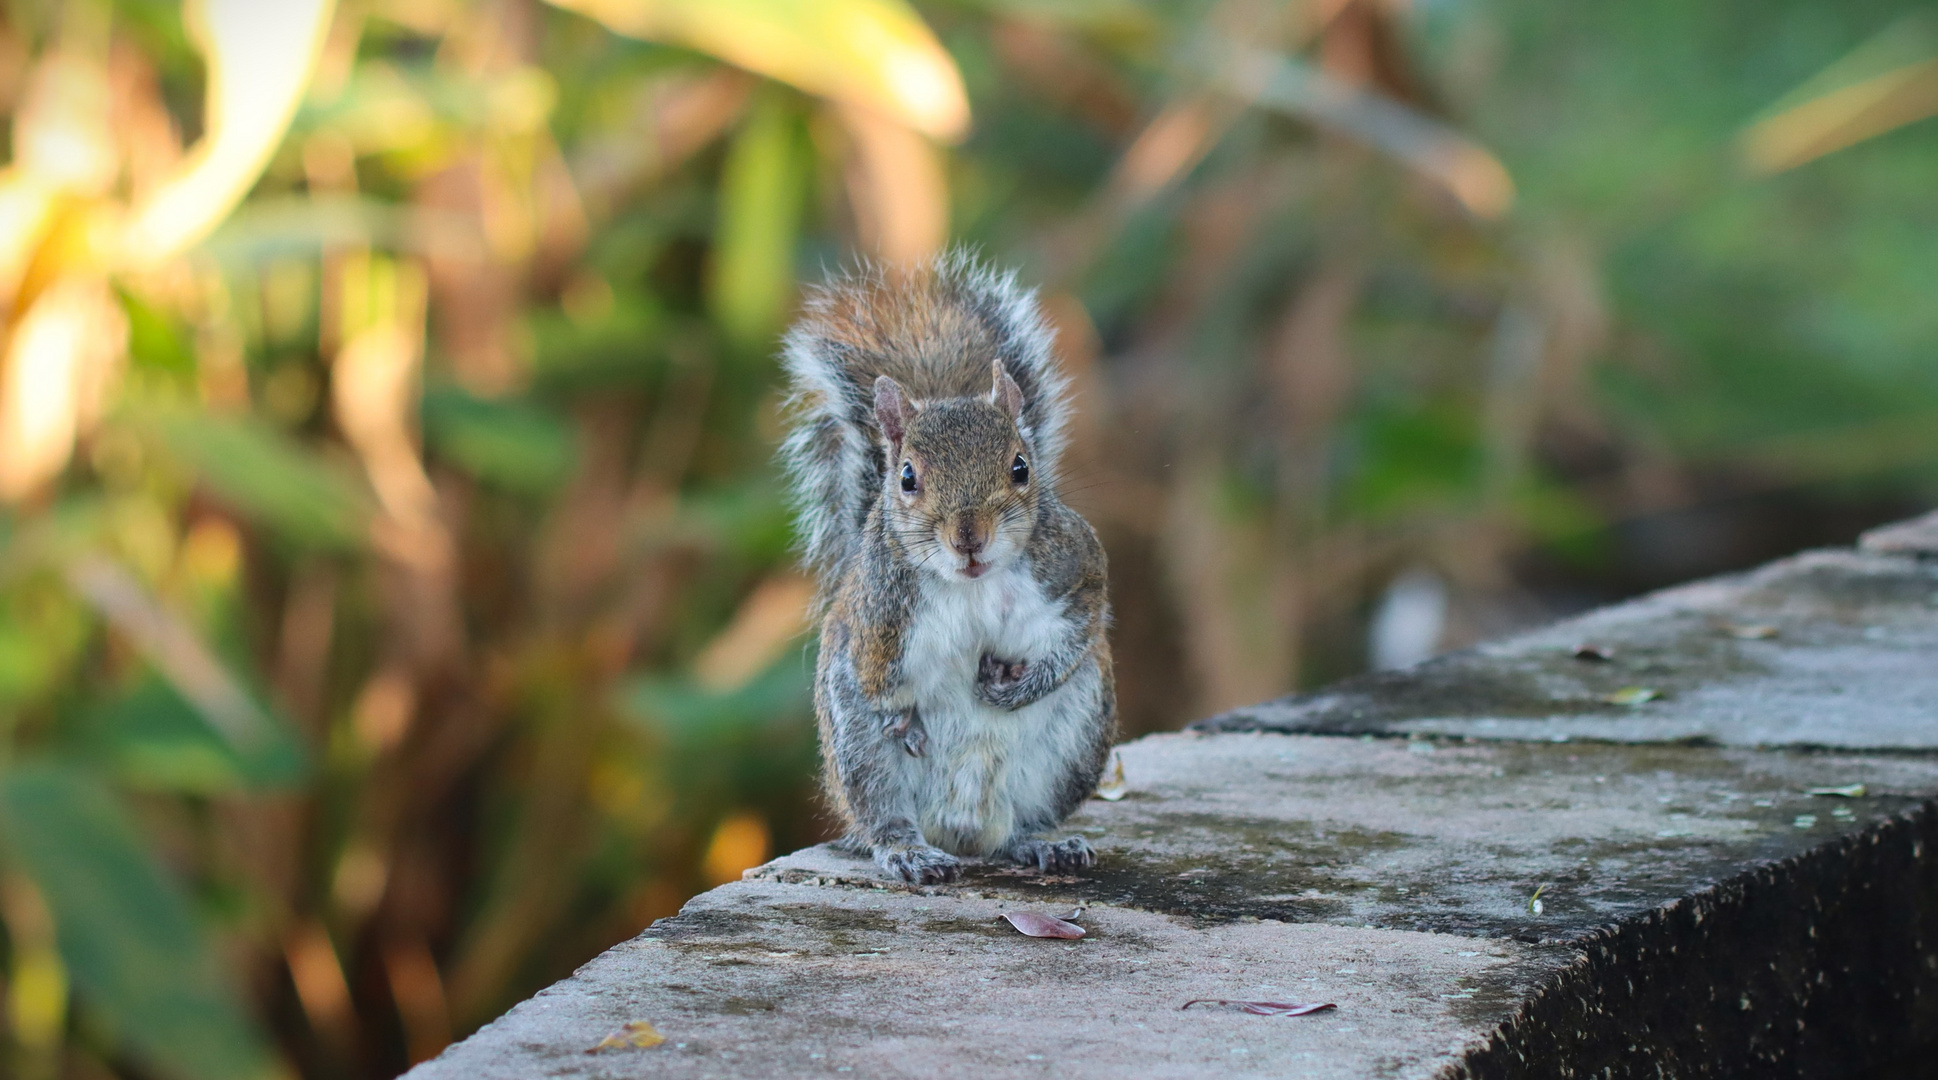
(968, 538)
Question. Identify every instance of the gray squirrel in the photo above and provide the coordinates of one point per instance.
(964, 689)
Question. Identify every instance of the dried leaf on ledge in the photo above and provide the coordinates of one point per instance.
(1112, 787)
(1037, 924)
(636, 1035)
(1262, 1008)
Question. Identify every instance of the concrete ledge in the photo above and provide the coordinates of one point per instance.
(1917, 537)
(1700, 911)
(1830, 648)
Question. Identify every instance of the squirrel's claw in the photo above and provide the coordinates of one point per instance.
(1052, 856)
(914, 737)
(1001, 682)
(998, 672)
(919, 864)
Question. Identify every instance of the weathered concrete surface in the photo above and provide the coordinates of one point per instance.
(1831, 648)
(1917, 537)
(765, 979)
(1701, 914)
(1453, 840)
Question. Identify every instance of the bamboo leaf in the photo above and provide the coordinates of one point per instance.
(268, 477)
(1471, 173)
(158, 741)
(260, 56)
(126, 933)
(515, 445)
(1888, 82)
(760, 220)
(874, 53)
(176, 650)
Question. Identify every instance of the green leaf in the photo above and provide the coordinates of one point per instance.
(158, 741)
(154, 341)
(126, 932)
(268, 477)
(512, 444)
(690, 713)
(761, 191)
(41, 634)
(625, 347)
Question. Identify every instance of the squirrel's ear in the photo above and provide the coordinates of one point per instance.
(892, 410)
(1005, 394)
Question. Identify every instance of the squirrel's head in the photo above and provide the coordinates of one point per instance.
(959, 491)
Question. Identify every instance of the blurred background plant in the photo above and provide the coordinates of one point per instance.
(396, 604)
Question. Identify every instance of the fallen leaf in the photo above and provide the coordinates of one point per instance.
(1112, 787)
(1586, 651)
(1037, 924)
(636, 1035)
(1262, 1008)
(1853, 791)
(1749, 631)
(1632, 695)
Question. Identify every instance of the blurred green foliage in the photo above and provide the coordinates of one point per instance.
(411, 613)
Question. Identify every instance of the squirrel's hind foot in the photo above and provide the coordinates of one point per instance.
(1052, 856)
(919, 863)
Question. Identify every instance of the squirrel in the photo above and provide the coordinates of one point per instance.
(963, 690)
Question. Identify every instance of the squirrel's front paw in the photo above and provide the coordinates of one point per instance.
(919, 863)
(1000, 682)
(1052, 856)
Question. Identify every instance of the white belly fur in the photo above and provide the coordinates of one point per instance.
(986, 771)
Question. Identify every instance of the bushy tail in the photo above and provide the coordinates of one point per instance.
(932, 328)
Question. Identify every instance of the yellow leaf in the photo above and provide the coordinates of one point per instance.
(52, 379)
(27, 204)
(1885, 83)
(260, 56)
(874, 53)
(1842, 118)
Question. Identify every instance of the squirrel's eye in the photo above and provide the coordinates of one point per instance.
(908, 477)
(1019, 471)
